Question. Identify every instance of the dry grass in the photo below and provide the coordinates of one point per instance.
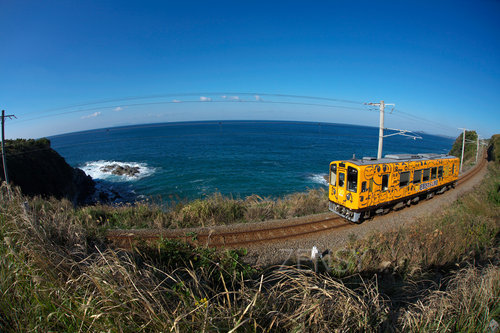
(469, 302)
(57, 274)
(212, 210)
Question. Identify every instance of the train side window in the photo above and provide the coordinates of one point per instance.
(404, 179)
(333, 174)
(417, 176)
(341, 179)
(385, 182)
(453, 169)
(427, 173)
(352, 179)
(363, 187)
(440, 172)
(433, 173)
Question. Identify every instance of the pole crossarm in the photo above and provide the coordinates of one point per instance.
(402, 133)
(381, 105)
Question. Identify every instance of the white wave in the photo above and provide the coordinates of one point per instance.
(95, 169)
(319, 179)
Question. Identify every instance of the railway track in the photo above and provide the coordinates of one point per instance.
(218, 237)
(248, 234)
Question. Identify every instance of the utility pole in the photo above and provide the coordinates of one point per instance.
(3, 145)
(463, 147)
(381, 126)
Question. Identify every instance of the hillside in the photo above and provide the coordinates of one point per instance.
(494, 148)
(470, 147)
(39, 170)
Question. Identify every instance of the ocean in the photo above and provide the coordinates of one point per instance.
(190, 160)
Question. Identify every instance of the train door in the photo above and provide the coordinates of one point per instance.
(341, 184)
(333, 181)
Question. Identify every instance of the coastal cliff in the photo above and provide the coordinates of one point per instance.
(39, 170)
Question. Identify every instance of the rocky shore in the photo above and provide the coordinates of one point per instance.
(39, 170)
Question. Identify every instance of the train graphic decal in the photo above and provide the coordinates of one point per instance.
(362, 188)
(427, 185)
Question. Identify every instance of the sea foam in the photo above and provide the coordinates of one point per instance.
(95, 170)
(319, 179)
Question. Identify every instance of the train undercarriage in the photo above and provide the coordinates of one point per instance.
(359, 216)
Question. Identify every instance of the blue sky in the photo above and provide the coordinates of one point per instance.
(437, 60)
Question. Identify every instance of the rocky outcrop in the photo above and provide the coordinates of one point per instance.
(39, 170)
(121, 170)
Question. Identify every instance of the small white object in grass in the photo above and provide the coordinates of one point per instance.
(314, 252)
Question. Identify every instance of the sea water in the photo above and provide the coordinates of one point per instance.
(190, 160)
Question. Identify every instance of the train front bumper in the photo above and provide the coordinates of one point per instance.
(344, 212)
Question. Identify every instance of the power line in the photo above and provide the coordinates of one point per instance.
(170, 95)
(257, 95)
(413, 117)
(175, 102)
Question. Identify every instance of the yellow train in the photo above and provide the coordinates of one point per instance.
(360, 188)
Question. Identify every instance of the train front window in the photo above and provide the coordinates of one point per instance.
(352, 179)
(341, 179)
(333, 174)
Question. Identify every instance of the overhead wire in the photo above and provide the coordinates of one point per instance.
(398, 112)
(171, 95)
(181, 102)
(407, 115)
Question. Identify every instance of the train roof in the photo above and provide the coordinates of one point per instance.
(396, 158)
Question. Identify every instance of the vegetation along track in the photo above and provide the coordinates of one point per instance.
(246, 234)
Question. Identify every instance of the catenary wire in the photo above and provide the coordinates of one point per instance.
(173, 102)
(171, 95)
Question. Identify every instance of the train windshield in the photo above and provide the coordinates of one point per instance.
(352, 179)
(333, 174)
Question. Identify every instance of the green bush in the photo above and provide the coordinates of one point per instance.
(470, 148)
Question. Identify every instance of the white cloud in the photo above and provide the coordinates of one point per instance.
(234, 98)
(205, 99)
(258, 98)
(224, 96)
(118, 109)
(93, 115)
(176, 101)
